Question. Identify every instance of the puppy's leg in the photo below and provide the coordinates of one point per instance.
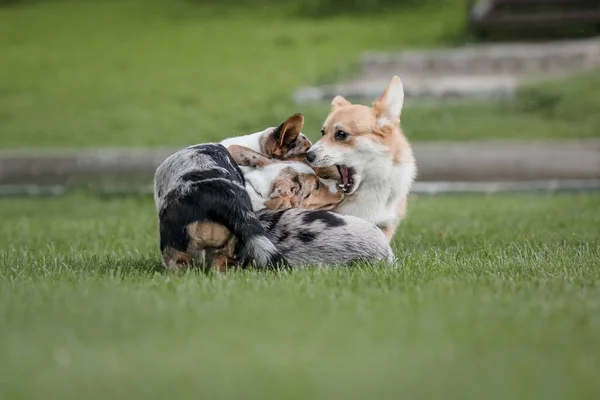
(216, 241)
(174, 243)
(224, 258)
(174, 259)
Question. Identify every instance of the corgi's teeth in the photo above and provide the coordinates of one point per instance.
(341, 186)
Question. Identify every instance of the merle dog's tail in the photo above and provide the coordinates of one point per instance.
(228, 204)
(253, 246)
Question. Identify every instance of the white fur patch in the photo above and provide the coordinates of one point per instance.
(259, 180)
(251, 141)
(331, 184)
(300, 167)
(394, 100)
(261, 249)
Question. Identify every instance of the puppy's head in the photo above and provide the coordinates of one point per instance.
(286, 141)
(355, 136)
(291, 183)
(298, 186)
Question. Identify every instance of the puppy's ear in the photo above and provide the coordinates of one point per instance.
(339, 102)
(288, 132)
(278, 201)
(246, 157)
(284, 191)
(389, 106)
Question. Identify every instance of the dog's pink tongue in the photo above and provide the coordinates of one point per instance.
(344, 172)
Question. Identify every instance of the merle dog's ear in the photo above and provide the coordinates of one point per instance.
(283, 191)
(288, 132)
(276, 203)
(246, 157)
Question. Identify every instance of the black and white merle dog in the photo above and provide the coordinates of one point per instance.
(205, 214)
(319, 237)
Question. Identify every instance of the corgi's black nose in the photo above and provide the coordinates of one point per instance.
(310, 157)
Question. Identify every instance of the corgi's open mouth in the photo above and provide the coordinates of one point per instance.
(347, 174)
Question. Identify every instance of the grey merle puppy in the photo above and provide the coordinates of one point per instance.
(319, 237)
(205, 214)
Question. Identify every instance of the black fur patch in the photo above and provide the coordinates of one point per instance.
(306, 236)
(198, 176)
(296, 180)
(270, 218)
(277, 132)
(326, 217)
(222, 202)
(283, 236)
(222, 158)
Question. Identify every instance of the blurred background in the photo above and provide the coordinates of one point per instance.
(492, 297)
(81, 76)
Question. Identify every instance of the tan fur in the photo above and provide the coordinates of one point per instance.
(358, 120)
(339, 101)
(327, 172)
(224, 258)
(292, 189)
(175, 259)
(216, 240)
(208, 234)
(205, 237)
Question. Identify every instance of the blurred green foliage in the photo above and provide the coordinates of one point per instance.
(315, 8)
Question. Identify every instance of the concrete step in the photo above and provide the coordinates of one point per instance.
(481, 72)
(503, 59)
(439, 88)
(436, 161)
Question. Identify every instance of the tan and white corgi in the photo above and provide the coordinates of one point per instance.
(374, 159)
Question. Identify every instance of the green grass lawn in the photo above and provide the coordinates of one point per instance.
(496, 298)
(154, 73)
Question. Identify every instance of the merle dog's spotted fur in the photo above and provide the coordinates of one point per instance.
(201, 187)
(315, 237)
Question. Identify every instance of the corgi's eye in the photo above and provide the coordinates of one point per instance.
(340, 135)
(322, 132)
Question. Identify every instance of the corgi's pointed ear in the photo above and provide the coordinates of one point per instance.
(288, 132)
(389, 106)
(246, 157)
(338, 102)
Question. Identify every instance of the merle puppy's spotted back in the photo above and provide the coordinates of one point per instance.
(205, 213)
(318, 237)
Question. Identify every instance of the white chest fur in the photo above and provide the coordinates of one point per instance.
(378, 197)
